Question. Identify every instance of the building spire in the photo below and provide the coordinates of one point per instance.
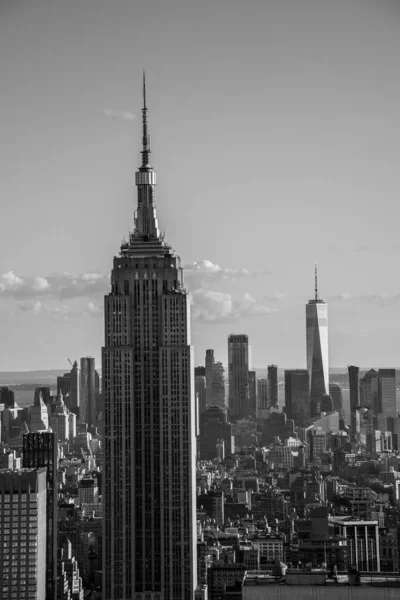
(146, 138)
(316, 281)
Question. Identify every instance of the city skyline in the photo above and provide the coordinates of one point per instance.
(66, 156)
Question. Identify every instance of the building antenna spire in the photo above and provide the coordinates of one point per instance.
(146, 138)
(316, 281)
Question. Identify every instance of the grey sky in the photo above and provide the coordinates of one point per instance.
(275, 136)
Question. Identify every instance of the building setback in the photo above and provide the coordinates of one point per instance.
(149, 492)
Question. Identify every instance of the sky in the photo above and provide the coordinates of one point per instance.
(276, 142)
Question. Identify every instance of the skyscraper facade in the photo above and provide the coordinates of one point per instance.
(209, 362)
(354, 373)
(149, 531)
(87, 405)
(273, 385)
(297, 395)
(40, 451)
(23, 534)
(317, 349)
(253, 392)
(238, 372)
(387, 393)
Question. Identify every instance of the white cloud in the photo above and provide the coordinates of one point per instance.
(9, 282)
(94, 309)
(125, 115)
(218, 307)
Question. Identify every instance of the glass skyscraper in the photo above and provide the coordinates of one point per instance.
(317, 349)
(149, 531)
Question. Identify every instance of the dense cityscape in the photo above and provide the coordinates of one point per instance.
(158, 479)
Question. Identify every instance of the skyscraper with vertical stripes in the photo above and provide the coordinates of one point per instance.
(149, 467)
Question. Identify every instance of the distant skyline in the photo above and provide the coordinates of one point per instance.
(275, 134)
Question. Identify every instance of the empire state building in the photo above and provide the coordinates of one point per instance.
(149, 531)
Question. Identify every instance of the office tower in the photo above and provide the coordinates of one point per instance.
(38, 415)
(335, 391)
(238, 373)
(317, 348)
(369, 391)
(7, 396)
(253, 392)
(273, 385)
(23, 534)
(297, 396)
(387, 404)
(40, 451)
(209, 376)
(263, 393)
(69, 385)
(354, 387)
(87, 405)
(218, 385)
(149, 425)
(214, 426)
(200, 391)
(59, 419)
(46, 394)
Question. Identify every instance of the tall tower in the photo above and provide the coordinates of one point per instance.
(40, 451)
(149, 495)
(238, 365)
(317, 348)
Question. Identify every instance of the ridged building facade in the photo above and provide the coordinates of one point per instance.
(149, 535)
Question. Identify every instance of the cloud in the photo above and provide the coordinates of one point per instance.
(59, 285)
(204, 273)
(10, 283)
(218, 307)
(93, 309)
(124, 115)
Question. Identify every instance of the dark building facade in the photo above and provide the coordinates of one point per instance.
(297, 395)
(87, 404)
(354, 373)
(253, 392)
(39, 450)
(238, 372)
(273, 385)
(214, 426)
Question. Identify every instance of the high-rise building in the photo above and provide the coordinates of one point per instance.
(40, 450)
(368, 391)
(87, 405)
(214, 426)
(238, 372)
(23, 534)
(317, 348)
(209, 362)
(38, 415)
(297, 396)
(6, 396)
(253, 392)
(387, 404)
(200, 391)
(354, 387)
(218, 385)
(263, 393)
(273, 385)
(335, 391)
(149, 490)
(69, 385)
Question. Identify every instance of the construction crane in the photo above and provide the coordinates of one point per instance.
(69, 360)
